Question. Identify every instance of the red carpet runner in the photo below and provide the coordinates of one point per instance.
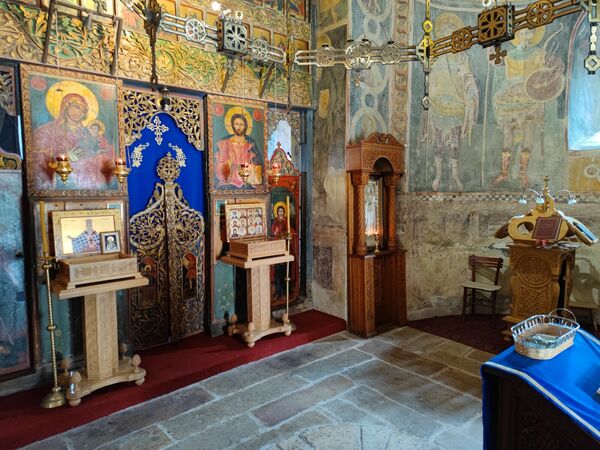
(169, 367)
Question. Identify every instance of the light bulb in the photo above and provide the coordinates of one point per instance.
(216, 6)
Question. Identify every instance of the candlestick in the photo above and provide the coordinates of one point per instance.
(45, 246)
(287, 199)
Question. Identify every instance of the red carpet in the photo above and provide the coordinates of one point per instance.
(475, 331)
(170, 367)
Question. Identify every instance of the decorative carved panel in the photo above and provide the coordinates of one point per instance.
(169, 238)
(141, 106)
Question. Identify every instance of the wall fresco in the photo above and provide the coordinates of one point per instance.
(370, 99)
(329, 181)
(491, 127)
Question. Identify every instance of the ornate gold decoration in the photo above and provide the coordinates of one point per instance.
(26, 32)
(293, 118)
(9, 161)
(495, 25)
(7, 90)
(62, 167)
(463, 39)
(165, 233)
(168, 169)
(533, 270)
(540, 13)
(121, 170)
(178, 63)
(139, 107)
(286, 167)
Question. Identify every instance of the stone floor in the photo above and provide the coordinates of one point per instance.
(404, 389)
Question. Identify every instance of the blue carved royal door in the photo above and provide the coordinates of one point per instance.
(166, 210)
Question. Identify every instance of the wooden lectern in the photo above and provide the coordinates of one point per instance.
(102, 364)
(541, 279)
(259, 299)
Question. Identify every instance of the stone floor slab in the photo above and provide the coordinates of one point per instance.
(331, 365)
(54, 442)
(226, 434)
(398, 416)
(399, 336)
(423, 343)
(401, 358)
(347, 412)
(479, 355)
(292, 404)
(182, 426)
(151, 438)
(459, 380)
(137, 417)
(285, 431)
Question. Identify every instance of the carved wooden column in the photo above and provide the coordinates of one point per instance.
(359, 181)
(391, 183)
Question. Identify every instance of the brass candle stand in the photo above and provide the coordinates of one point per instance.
(286, 316)
(56, 396)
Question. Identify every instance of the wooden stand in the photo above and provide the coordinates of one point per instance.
(102, 363)
(540, 281)
(376, 278)
(259, 300)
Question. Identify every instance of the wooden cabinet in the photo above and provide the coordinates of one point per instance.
(376, 265)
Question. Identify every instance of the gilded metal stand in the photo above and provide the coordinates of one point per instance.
(56, 397)
(286, 316)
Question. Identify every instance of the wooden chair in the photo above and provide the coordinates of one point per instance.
(476, 263)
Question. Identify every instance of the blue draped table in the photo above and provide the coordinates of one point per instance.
(568, 382)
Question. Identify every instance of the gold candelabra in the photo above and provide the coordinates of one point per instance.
(244, 172)
(275, 173)
(62, 167)
(121, 170)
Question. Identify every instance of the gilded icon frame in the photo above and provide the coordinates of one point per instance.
(99, 133)
(218, 108)
(66, 223)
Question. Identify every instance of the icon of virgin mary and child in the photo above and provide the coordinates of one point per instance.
(236, 150)
(77, 133)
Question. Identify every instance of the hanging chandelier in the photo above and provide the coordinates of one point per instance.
(495, 24)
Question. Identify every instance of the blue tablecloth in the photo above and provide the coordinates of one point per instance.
(569, 381)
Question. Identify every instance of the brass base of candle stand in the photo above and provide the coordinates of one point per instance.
(54, 398)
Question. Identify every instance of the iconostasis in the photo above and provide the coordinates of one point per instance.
(180, 175)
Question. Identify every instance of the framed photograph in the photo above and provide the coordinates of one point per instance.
(73, 115)
(236, 144)
(547, 228)
(78, 233)
(245, 220)
(110, 242)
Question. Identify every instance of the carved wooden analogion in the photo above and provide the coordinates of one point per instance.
(540, 281)
(376, 278)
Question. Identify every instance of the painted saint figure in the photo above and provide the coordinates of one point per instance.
(279, 230)
(87, 241)
(233, 151)
(88, 150)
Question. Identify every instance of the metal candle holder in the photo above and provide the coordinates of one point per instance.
(56, 396)
(244, 172)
